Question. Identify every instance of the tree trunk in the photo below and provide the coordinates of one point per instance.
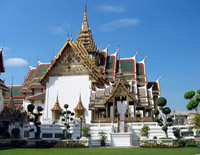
(166, 134)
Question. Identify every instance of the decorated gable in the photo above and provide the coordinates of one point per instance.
(68, 64)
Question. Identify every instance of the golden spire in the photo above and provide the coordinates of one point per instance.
(56, 106)
(79, 106)
(85, 35)
(85, 22)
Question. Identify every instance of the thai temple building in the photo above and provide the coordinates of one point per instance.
(110, 93)
(3, 88)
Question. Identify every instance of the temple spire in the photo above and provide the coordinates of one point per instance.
(11, 104)
(85, 22)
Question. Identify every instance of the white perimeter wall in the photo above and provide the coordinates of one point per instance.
(68, 89)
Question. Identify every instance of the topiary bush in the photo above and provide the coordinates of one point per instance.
(162, 114)
(161, 101)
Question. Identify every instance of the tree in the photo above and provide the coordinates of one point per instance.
(162, 115)
(34, 117)
(194, 100)
(67, 117)
(193, 104)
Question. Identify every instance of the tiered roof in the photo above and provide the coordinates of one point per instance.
(32, 80)
(17, 96)
(13, 115)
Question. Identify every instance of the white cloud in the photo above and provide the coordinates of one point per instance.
(15, 62)
(111, 9)
(59, 29)
(121, 23)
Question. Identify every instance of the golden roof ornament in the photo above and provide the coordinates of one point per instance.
(56, 106)
(79, 106)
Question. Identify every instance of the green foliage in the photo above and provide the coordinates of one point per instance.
(156, 120)
(15, 132)
(145, 128)
(68, 145)
(35, 118)
(85, 130)
(165, 138)
(189, 94)
(30, 108)
(66, 118)
(166, 110)
(177, 133)
(66, 106)
(197, 97)
(190, 143)
(169, 119)
(102, 135)
(160, 124)
(198, 91)
(156, 112)
(161, 101)
(164, 128)
(144, 131)
(194, 103)
(169, 124)
(39, 108)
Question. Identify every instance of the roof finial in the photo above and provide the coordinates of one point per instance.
(71, 35)
(85, 22)
(85, 12)
(80, 97)
(67, 36)
(119, 51)
(57, 99)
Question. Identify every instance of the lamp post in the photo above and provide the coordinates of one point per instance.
(81, 117)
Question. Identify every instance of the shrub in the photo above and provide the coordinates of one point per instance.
(161, 101)
(166, 110)
(156, 112)
(190, 143)
(179, 142)
(68, 145)
(15, 132)
(85, 130)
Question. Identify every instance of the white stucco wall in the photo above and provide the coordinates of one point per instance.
(68, 89)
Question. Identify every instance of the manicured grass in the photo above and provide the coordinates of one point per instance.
(100, 151)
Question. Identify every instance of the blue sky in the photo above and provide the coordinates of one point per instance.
(166, 31)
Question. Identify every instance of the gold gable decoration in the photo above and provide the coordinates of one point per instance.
(56, 111)
(80, 110)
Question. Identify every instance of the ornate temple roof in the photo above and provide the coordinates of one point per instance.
(85, 35)
(13, 115)
(84, 57)
(17, 96)
(32, 80)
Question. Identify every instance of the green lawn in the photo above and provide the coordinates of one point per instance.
(100, 151)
